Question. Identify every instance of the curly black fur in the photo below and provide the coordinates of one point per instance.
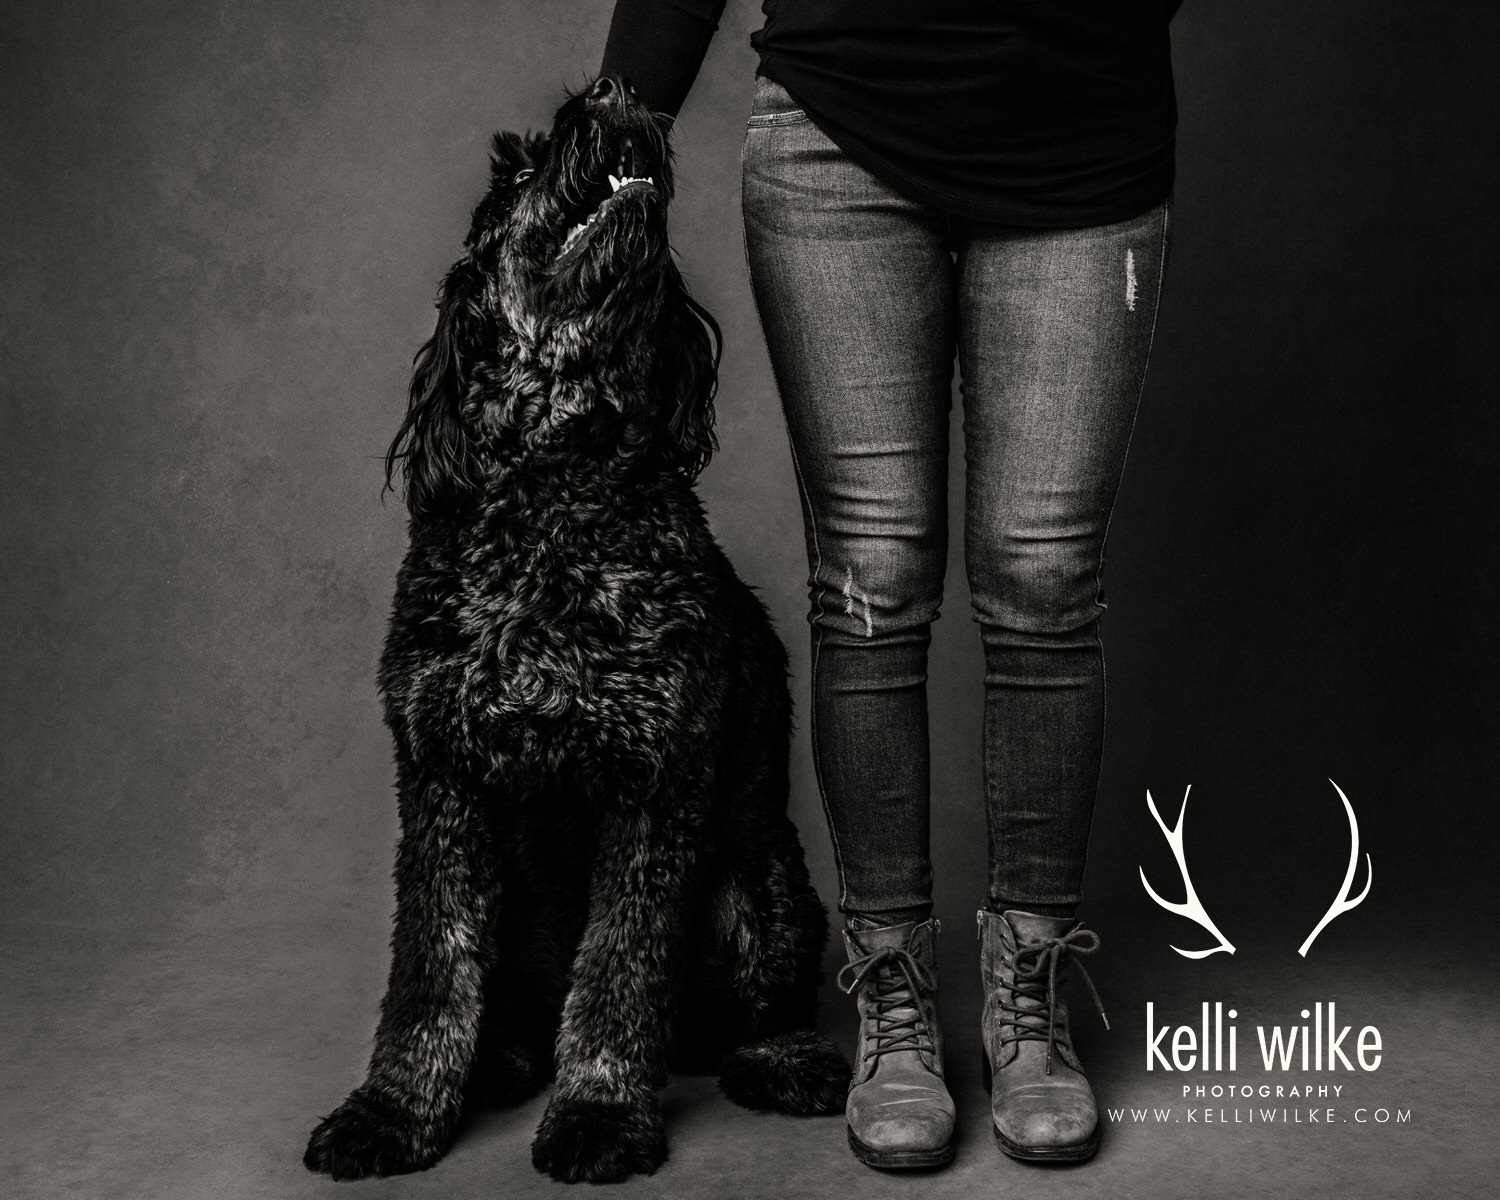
(590, 709)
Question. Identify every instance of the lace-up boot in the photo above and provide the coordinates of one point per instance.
(900, 1113)
(1041, 1102)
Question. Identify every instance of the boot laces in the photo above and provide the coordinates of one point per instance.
(1035, 981)
(897, 980)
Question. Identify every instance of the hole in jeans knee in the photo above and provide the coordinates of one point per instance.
(857, 604)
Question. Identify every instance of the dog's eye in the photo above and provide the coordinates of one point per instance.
(523, 175)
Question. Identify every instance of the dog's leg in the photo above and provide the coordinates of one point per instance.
(403, 1116)
(603, 1122)
(770, 943)
(780, 930)
(772, 927)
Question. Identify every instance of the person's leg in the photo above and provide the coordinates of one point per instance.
(1054, 333)
(1055, 330)
(855, 289)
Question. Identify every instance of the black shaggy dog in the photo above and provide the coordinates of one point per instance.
(590, 710)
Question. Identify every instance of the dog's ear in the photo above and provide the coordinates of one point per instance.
(511, 153)
(433, 448)
(513, 158)
(687, 376)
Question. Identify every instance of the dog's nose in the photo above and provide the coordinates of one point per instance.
(609, 88)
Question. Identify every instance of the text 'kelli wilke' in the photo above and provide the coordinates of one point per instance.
(1213, 1044)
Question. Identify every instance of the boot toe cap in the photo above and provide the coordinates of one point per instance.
(901, 1135)
(902, 1118)
(1045, 1122)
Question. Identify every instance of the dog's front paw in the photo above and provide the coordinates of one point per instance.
(599, 1141)
(365, 1136)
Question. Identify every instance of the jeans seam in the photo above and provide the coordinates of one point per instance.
(812, 524)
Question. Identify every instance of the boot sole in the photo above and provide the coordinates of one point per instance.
(1056, 1154)
(899, 1160)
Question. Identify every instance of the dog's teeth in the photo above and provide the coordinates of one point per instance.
(615, 184)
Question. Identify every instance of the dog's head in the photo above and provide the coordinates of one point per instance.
(566, 328)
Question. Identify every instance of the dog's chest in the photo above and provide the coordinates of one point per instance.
(596, 634)
(581, 634)
(585, 642)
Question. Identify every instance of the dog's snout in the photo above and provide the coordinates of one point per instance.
(611, 89)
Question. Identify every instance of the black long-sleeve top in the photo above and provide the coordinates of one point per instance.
(1048, 113)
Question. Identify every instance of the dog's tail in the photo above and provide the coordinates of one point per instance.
(800, 1072)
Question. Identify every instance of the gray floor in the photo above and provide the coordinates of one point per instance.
(193, 1066)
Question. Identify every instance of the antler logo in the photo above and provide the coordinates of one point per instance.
(1193, 909)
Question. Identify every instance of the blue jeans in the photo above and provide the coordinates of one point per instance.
(863, 296)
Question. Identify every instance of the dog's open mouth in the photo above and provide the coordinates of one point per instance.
(620, 184)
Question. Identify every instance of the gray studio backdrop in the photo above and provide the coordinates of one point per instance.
(223, 227)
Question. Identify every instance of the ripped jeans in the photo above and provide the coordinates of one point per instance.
(864, 296)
